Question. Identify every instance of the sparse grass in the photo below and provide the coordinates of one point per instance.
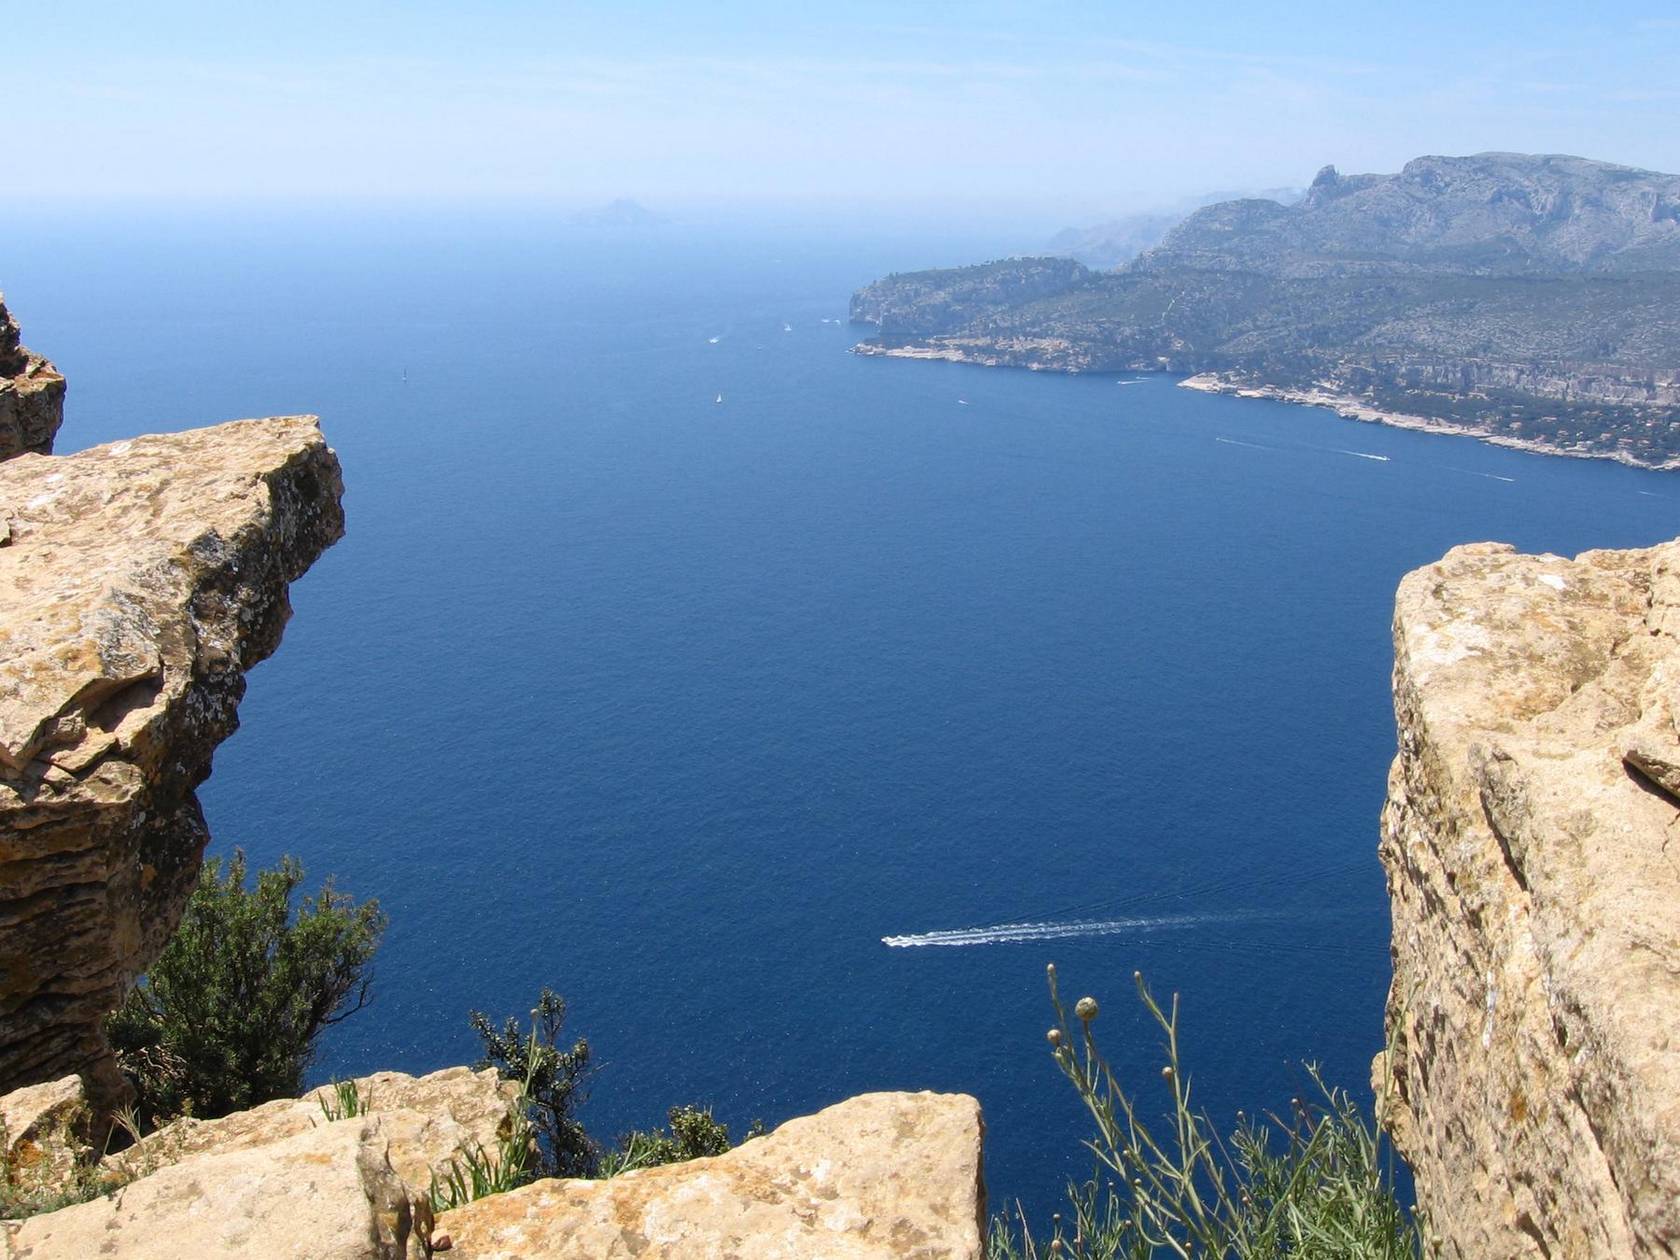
(1317, 1186)
(24, 1192)
(342, 1100)
(474, 1172)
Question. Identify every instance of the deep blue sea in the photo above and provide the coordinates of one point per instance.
(682, 706)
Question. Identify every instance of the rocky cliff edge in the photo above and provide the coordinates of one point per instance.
(31, 394)
(139, 581)
(1532, 844)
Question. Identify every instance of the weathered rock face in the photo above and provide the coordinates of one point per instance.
(31, 394)
(878, 1177)
(327, 1193)
(1532, 843)
(43, 1134)
(138, 582)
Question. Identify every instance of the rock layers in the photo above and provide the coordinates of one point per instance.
(1532, 844)
(138, 582)
(31, 394)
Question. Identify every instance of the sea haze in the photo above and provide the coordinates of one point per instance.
(681, 706)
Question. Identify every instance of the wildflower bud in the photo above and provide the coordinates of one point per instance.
(1056, 1247)
(1054, 1036)
(1136, 976)
(1050, 970)
(1167, 1072)
(1086, 1009)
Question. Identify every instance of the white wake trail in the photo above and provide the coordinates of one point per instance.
(1002, 933)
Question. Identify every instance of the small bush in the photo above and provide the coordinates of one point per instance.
(552, 1079)
(229, 1014)
(693, 1134)
(1325, 1192)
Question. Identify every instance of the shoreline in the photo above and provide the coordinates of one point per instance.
(1351, 408)
(1344, 405)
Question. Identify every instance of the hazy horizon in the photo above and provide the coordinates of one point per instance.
(1053, 118)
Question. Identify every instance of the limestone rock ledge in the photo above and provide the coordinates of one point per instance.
(31, 394)
(877, 1177)
(138, 582)
(1532, 846)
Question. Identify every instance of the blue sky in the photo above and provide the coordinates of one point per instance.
(1062, 110)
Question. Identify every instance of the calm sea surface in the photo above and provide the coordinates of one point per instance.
(682, 706)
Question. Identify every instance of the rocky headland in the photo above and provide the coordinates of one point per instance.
(1527, 298)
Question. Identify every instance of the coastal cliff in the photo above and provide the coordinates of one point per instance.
(1523, 298)
(31, 394)
(1530, 842)
(140, 581)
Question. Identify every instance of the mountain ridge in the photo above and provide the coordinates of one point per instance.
(1533, 299)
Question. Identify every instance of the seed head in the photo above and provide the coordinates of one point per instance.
(1167, 1072)
(1054, 1036)
(1086, 1009)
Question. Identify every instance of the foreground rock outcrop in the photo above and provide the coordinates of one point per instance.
(1532, 844)
(31, 394)
(877, 1177)
(139, 581)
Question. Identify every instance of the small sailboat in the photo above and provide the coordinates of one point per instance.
(962, 402)
(787, 327)
(718, 399)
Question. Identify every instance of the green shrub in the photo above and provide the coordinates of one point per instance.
(1325, 1191)
(553, 1081)
(229, 1014)
(693, 1134)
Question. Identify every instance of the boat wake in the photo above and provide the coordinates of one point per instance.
(1362, 455)
(1004, 933)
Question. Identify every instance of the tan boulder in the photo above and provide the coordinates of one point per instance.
(877, 1176)
(139, 582)
(43, 1134)
(425, 1121)
(327, 1193)
(1532, 844)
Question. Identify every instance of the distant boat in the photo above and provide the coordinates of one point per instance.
(963, 402)
(787, 327)
(718, 399)
(712, 341)
(405, 376)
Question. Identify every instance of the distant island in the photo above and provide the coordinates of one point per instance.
(620, 213)
(1532, 300)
